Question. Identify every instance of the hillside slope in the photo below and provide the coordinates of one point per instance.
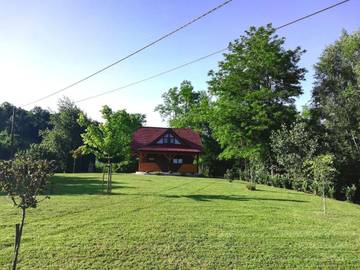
(180, 223)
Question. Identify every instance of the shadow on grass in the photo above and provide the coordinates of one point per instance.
(77, 185)
(208, 198)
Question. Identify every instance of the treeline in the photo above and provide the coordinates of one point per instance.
(59, 136)
(250, 126)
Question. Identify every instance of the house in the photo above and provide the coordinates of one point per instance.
(167, 149)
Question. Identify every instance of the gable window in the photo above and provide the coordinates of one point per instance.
(168, 138)
(177, 161)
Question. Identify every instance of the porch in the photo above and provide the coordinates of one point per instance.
(168, 162)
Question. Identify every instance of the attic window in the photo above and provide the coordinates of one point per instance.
(168, 138)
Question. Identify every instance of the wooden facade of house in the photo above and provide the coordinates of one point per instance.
(167, 149)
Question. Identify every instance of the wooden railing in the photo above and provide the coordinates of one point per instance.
(149, 167)
(188, 168)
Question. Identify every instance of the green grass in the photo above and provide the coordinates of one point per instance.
(160, 222)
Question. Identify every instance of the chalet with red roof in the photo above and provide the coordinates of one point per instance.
(167, 149)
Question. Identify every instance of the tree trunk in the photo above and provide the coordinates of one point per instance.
(19, 230)
(324, 198)
(74, 165)
(110, 181)
(103, 179)
(109, 176)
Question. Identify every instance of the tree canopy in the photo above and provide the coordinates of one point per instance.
(65, 134)
(113, 137)
(255, 88)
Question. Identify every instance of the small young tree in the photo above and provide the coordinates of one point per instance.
(111, 139)
(323, 172)
(22, 179)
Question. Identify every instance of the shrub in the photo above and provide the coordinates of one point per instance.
(350, 193)
(285, 181)
(229, 174)
(331, 191)
(274, 180)
(251, 186)
(297, 184)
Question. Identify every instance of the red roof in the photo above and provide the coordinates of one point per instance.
(145, 139)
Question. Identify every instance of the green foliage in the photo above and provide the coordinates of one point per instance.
(23, 178)
(255, 88)
(336, 105)
(65, 134)
(291, 148)
(111, 138)
(28, 125)
(323, 172)
(40, 152)
(179, 105)
(184, 107)
(251, 186)
(350, 192)
(229, 175)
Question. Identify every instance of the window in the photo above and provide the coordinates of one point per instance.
(177, 161)
(150, 158)
(168, 138)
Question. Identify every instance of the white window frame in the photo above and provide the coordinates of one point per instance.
(178, 161)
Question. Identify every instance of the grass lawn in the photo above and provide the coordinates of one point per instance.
(161, 222)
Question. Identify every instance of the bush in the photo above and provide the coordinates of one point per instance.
(285, 181)
(251, 186)
(229, 174)
(350, 193)
(274, 180)
(331, 191)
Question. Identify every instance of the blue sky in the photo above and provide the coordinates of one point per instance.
(45, 45)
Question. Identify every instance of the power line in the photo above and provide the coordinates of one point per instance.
(133, 53)
(151, 77)
(312, 14)
(203, 57)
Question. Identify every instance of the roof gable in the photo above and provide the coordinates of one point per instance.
(169, 137)
(146, 137)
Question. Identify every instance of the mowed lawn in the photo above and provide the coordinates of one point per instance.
(168, 222)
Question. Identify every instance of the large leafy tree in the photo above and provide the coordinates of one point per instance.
(255, 89)
(336, 104)
(179, 105)
(183, 107)
(65, 134)
(110, 140)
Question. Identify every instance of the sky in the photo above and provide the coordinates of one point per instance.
(48, 44)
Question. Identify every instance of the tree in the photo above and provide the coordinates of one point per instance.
(65, 134)
(323, 172)
(22, 179)
(291, 148)
(336, 105)
(183, 107)
(110, 140)
(254, 89)
(179, 104)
